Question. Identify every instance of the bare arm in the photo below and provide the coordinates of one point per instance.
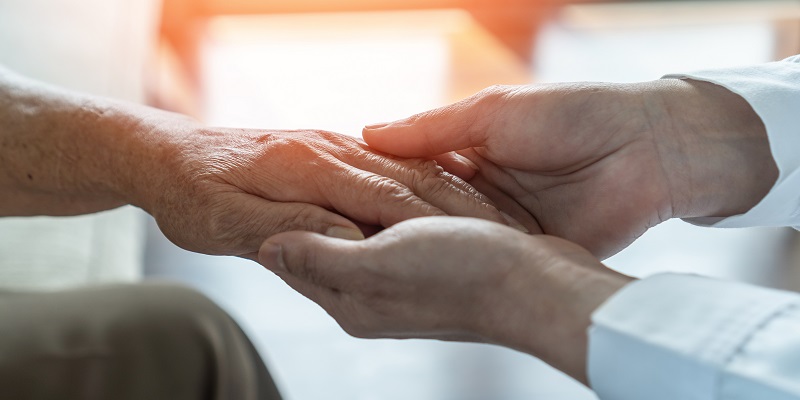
(59, 150)
(212, 190)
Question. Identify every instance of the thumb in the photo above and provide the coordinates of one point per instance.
(455, 127)
(252, 219)
(312, 258)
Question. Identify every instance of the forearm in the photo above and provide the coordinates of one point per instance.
(64, 153)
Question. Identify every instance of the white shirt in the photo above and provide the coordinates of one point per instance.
(684, 337)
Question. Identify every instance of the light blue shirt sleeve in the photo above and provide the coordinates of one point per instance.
(773, 90)
(684, 337)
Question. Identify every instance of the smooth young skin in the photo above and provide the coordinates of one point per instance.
(212, 190)
(597, 164)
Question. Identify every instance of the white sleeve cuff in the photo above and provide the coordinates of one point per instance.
(672, 336)
(773, 90)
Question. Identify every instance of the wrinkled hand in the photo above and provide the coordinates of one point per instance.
(452, 279)
(223, 191)
(597, 164)
(212, 190)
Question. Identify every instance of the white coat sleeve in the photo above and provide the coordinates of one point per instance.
(672, 336)
(773, 90)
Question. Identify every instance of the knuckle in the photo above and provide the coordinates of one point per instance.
(335, 144)
(358, 157)
(430, 182)
(422, 166)
(495, 97)
(487, 104)
(389, 190)
(302, 218)
(495, 92)
(290, 149)
(327, 136)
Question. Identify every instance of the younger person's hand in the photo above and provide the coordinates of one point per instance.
(452, 279)
(597, 164)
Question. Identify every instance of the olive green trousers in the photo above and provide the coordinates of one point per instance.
(149, 341)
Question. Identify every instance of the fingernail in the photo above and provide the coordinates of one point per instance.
(346, 233)
(271, 256)
(514, 223)
(377, 126)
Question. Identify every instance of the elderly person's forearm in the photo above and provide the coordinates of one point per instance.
(60, 151)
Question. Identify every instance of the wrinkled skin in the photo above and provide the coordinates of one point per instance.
(234, 188)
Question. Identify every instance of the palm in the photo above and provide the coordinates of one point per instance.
(579, 164)
(598, 182)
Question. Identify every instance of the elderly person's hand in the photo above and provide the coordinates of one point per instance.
(211, 190)
(227, 190)
(452, 279)
(597, 164)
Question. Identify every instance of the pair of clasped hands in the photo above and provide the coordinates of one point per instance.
(497, 208)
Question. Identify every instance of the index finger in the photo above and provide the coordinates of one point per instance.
(432, 184)
(454, 127)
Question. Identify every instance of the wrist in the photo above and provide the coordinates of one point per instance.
(545, 308)
(67, 153)
(714, 148)
(150, 149)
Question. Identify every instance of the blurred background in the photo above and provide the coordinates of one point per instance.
(338, 65)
